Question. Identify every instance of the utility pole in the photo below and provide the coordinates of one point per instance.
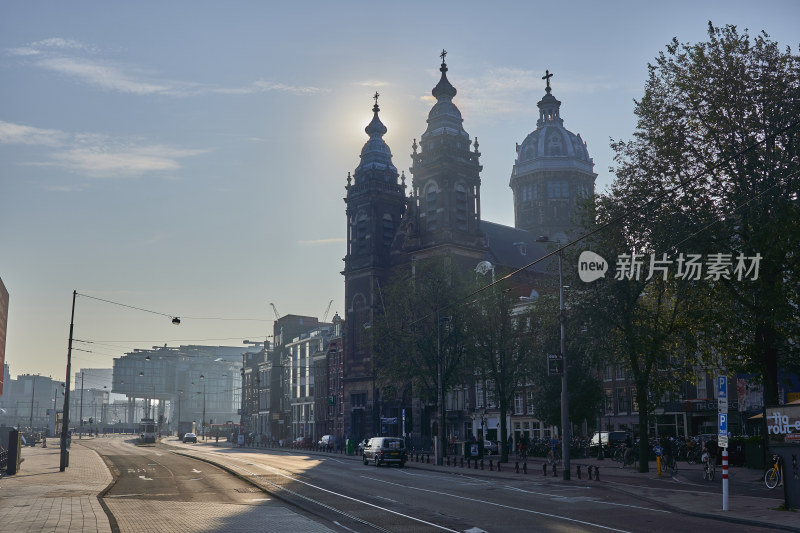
(33, 395)
(80, 410)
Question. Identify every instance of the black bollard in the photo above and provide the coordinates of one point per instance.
(498, 466)
(589, 471)
(481, 464)
(429, 459)
(491, 465)
(597, 473)
(555, 474)
(462, 462)
(525, 467)
(516, 466)
(578, 468)
(448, 460)
(544, 469)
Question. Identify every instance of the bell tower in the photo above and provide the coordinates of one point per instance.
(375, 205)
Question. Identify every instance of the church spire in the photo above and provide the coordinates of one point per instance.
(376, 155)
(444, 89)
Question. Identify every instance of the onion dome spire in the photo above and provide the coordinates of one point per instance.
(444, 89)
(376, 155)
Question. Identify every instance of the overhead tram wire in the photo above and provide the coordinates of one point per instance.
(682, 183)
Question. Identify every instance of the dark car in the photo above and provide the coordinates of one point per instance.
(190, 437)
(385, 450)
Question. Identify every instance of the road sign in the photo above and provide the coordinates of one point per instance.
(555, 364)
(722, 441)
(722, 405)
(723, 425)
(722, 387)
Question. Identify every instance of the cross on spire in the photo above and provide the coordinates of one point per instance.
(376, 97)
(443, 54)
(547, 76)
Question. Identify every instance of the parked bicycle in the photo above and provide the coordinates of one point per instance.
(709, 466)
(670, 465)
(773, 475)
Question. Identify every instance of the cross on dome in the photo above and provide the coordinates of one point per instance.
(547, 76)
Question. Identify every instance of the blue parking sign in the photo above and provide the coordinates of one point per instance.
(722, 387)
(723, 424)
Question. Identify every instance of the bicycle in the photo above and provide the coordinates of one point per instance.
(553, 457)
(772, 477)
(670, 464)
(709, 466)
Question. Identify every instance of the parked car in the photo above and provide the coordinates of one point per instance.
(327, 441)
(385, 450)
(190, 437)
(302, 442)
(609, 439)
(490, 447)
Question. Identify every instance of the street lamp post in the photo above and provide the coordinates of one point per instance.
(203, 421)
(565, 426)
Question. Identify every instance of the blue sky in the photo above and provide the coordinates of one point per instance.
(189, 158)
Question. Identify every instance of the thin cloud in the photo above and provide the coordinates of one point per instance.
(95, 155)
(372, 83)
(68, 57)
(321, 241)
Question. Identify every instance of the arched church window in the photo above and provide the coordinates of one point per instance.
(557, 189)
(431, 206)
(461, 207)
(362, 221)
(388, 230)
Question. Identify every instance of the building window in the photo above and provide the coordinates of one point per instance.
(431, 207)
(361, 232)
(388, 230)
(609, 402)
(557, 189)
(529, 403)
(701, 385)
(518, 403)
(461, 207)
(622, 401)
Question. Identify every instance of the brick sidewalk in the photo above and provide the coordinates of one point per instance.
(41, 498)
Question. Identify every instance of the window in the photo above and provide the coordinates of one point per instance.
(461, 207)
(701, 385)
(431, 206)
(518, 403)
(557, 189)
(361, 232)
(622, 401)
(388, 230)
(609, 402)
(529, 406)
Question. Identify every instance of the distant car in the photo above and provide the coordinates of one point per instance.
(302, 442)
(609, 440)
(190, 437)
(490, 447)
(385, 450)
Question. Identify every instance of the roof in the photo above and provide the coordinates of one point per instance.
(514, 247)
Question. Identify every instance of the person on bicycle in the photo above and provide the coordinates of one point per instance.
(711, 448)
(626, 457)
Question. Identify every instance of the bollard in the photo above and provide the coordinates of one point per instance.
(555, 474)
(469, 462)
(448, 460)
(525, 467)
(597, 473)
(491, 465)
(544, 469)
(589, 471)
(462, 462)
(498, 465)
(429, 459)
(516, 466)
(481, 464)
(578, 468)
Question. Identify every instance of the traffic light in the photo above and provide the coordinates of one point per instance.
(555, 365)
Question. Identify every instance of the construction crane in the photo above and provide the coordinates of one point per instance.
(277, 315)
(327, 310)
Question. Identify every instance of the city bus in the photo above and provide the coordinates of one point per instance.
(147, 431)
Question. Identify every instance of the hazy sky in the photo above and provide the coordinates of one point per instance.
(190, 158)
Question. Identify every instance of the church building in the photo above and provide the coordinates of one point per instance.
(391, 224)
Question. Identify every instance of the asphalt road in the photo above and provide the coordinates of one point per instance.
(350, 496)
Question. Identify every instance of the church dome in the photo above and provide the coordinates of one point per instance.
(376, 155)
(551, 145)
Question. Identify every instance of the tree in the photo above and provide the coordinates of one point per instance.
(717, 135)
(501, 345)
(420, 338)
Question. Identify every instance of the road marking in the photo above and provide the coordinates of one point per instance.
(196, 471)
(146, 478)
(261, 499)
(500, 505)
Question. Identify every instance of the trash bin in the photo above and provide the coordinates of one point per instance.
(349, 448)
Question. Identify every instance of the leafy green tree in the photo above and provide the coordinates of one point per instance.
(717, 147)
(501, 347)
(421, 335)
